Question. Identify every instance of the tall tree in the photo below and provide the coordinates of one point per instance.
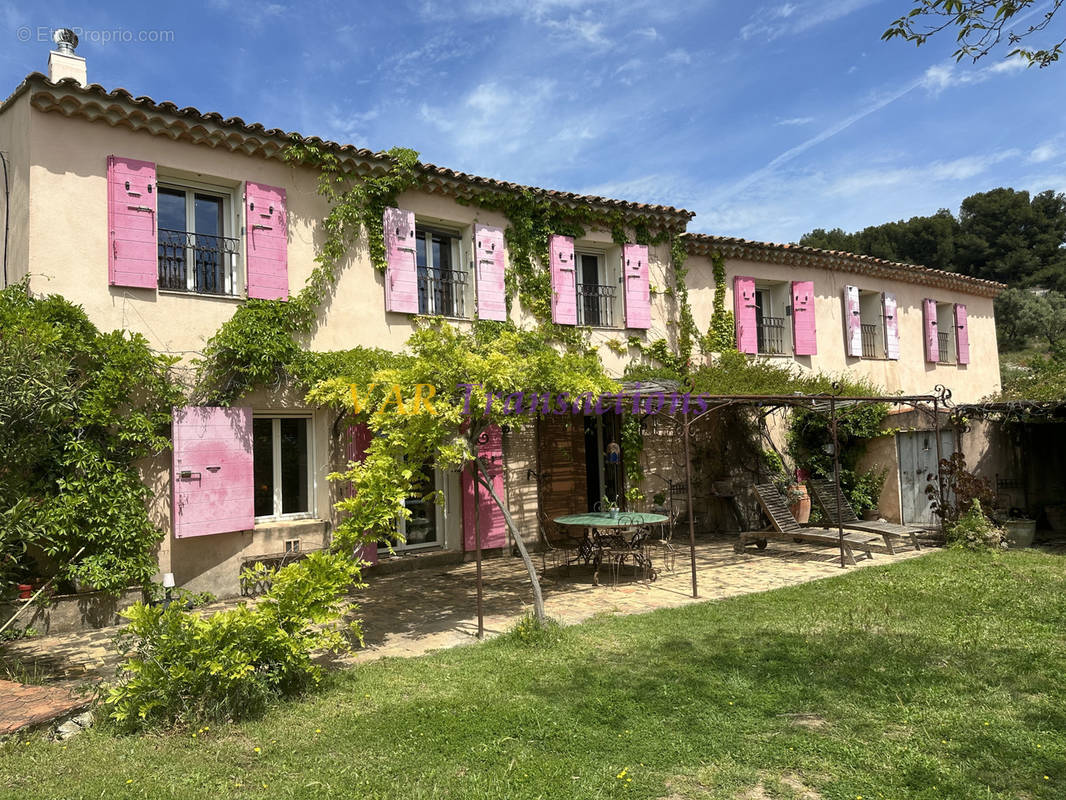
(981, 25)
(1003, 235)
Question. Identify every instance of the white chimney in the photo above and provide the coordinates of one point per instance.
(62, 63)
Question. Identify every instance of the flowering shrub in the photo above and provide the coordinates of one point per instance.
(183, 668)
(975, 531)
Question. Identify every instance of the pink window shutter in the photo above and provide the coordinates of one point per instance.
(356, 441)
(852, 322)
(804, 334)
(637, 286)
(744, 314)
(401, 274)
(267, 234)
(564, 280)
(932, 341)
(491, 266)
(492, 524)
(133, 252)
(212, 475)
(962, 334)
(888, 302)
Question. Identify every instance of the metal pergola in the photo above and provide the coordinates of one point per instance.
(829, 402)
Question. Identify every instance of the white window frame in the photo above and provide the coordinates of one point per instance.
(459, 263)
(312, 488)
(604, 277)
(945, 321)
(880, 335)
(230, 228)
(777, 294)
(440, 484)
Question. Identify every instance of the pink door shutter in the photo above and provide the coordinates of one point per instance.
(212, 471)
(804, 336)
(266, 225)
(744, 314)
(493, 527)
(133, 254)
(564, 280)
(637, 286)
(891, 326)
(852, 322)
(356, 441)
(491, 292)
(932, 341)
(401, 275)
(962, 334)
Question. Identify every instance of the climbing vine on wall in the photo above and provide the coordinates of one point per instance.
(632, 447)
(258, 345)
(721, 335)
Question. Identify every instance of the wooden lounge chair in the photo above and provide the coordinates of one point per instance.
(785, 527)
(825, 495)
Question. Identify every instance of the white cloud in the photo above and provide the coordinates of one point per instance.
(494, 126)
(585, 28)
(1044, 152)
(948, 74)
(679, 56)
(795, 121)
(790, 19)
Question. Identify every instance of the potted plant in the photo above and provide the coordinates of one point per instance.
(610, 506)
(658, 503)
(1019, 530)
(799, 502)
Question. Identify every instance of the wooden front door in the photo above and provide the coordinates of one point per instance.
(917, 461)
(563, 485)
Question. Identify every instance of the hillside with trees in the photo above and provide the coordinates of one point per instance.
(1003, 235)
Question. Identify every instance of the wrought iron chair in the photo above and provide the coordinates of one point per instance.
(617, 547)
(661, 538)
(556, 545)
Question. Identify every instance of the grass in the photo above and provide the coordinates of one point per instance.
(939, 677)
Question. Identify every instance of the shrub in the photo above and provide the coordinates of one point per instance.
(531, 632)
(975, 531)
(182, 668)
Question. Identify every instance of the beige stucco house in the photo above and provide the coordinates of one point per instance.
(93, 172)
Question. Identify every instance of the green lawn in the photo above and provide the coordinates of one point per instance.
(940, 677)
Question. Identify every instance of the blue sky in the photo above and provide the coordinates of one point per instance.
(766, 119)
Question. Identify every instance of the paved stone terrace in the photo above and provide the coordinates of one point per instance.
(413, 612)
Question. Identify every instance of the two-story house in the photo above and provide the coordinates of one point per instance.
(163, 220)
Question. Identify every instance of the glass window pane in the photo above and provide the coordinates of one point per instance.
(590, 269)
(171, 209)
(421, 528)
(294, 495)
(442, 252)
(208, 214)
(263, 466)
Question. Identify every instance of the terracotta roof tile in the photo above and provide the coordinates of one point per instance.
(42, 87)
(801, 255)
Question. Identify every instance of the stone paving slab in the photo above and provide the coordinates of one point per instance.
(413, 612)
(24, 706)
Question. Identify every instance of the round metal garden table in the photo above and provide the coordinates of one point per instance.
(593, 546)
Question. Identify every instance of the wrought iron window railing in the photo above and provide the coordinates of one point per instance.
(197, 262)
(869, 341)
(771, 335)
(947, 352)
(442, 292)
(595, 304)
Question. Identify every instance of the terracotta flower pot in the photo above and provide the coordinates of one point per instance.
(801, 509)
